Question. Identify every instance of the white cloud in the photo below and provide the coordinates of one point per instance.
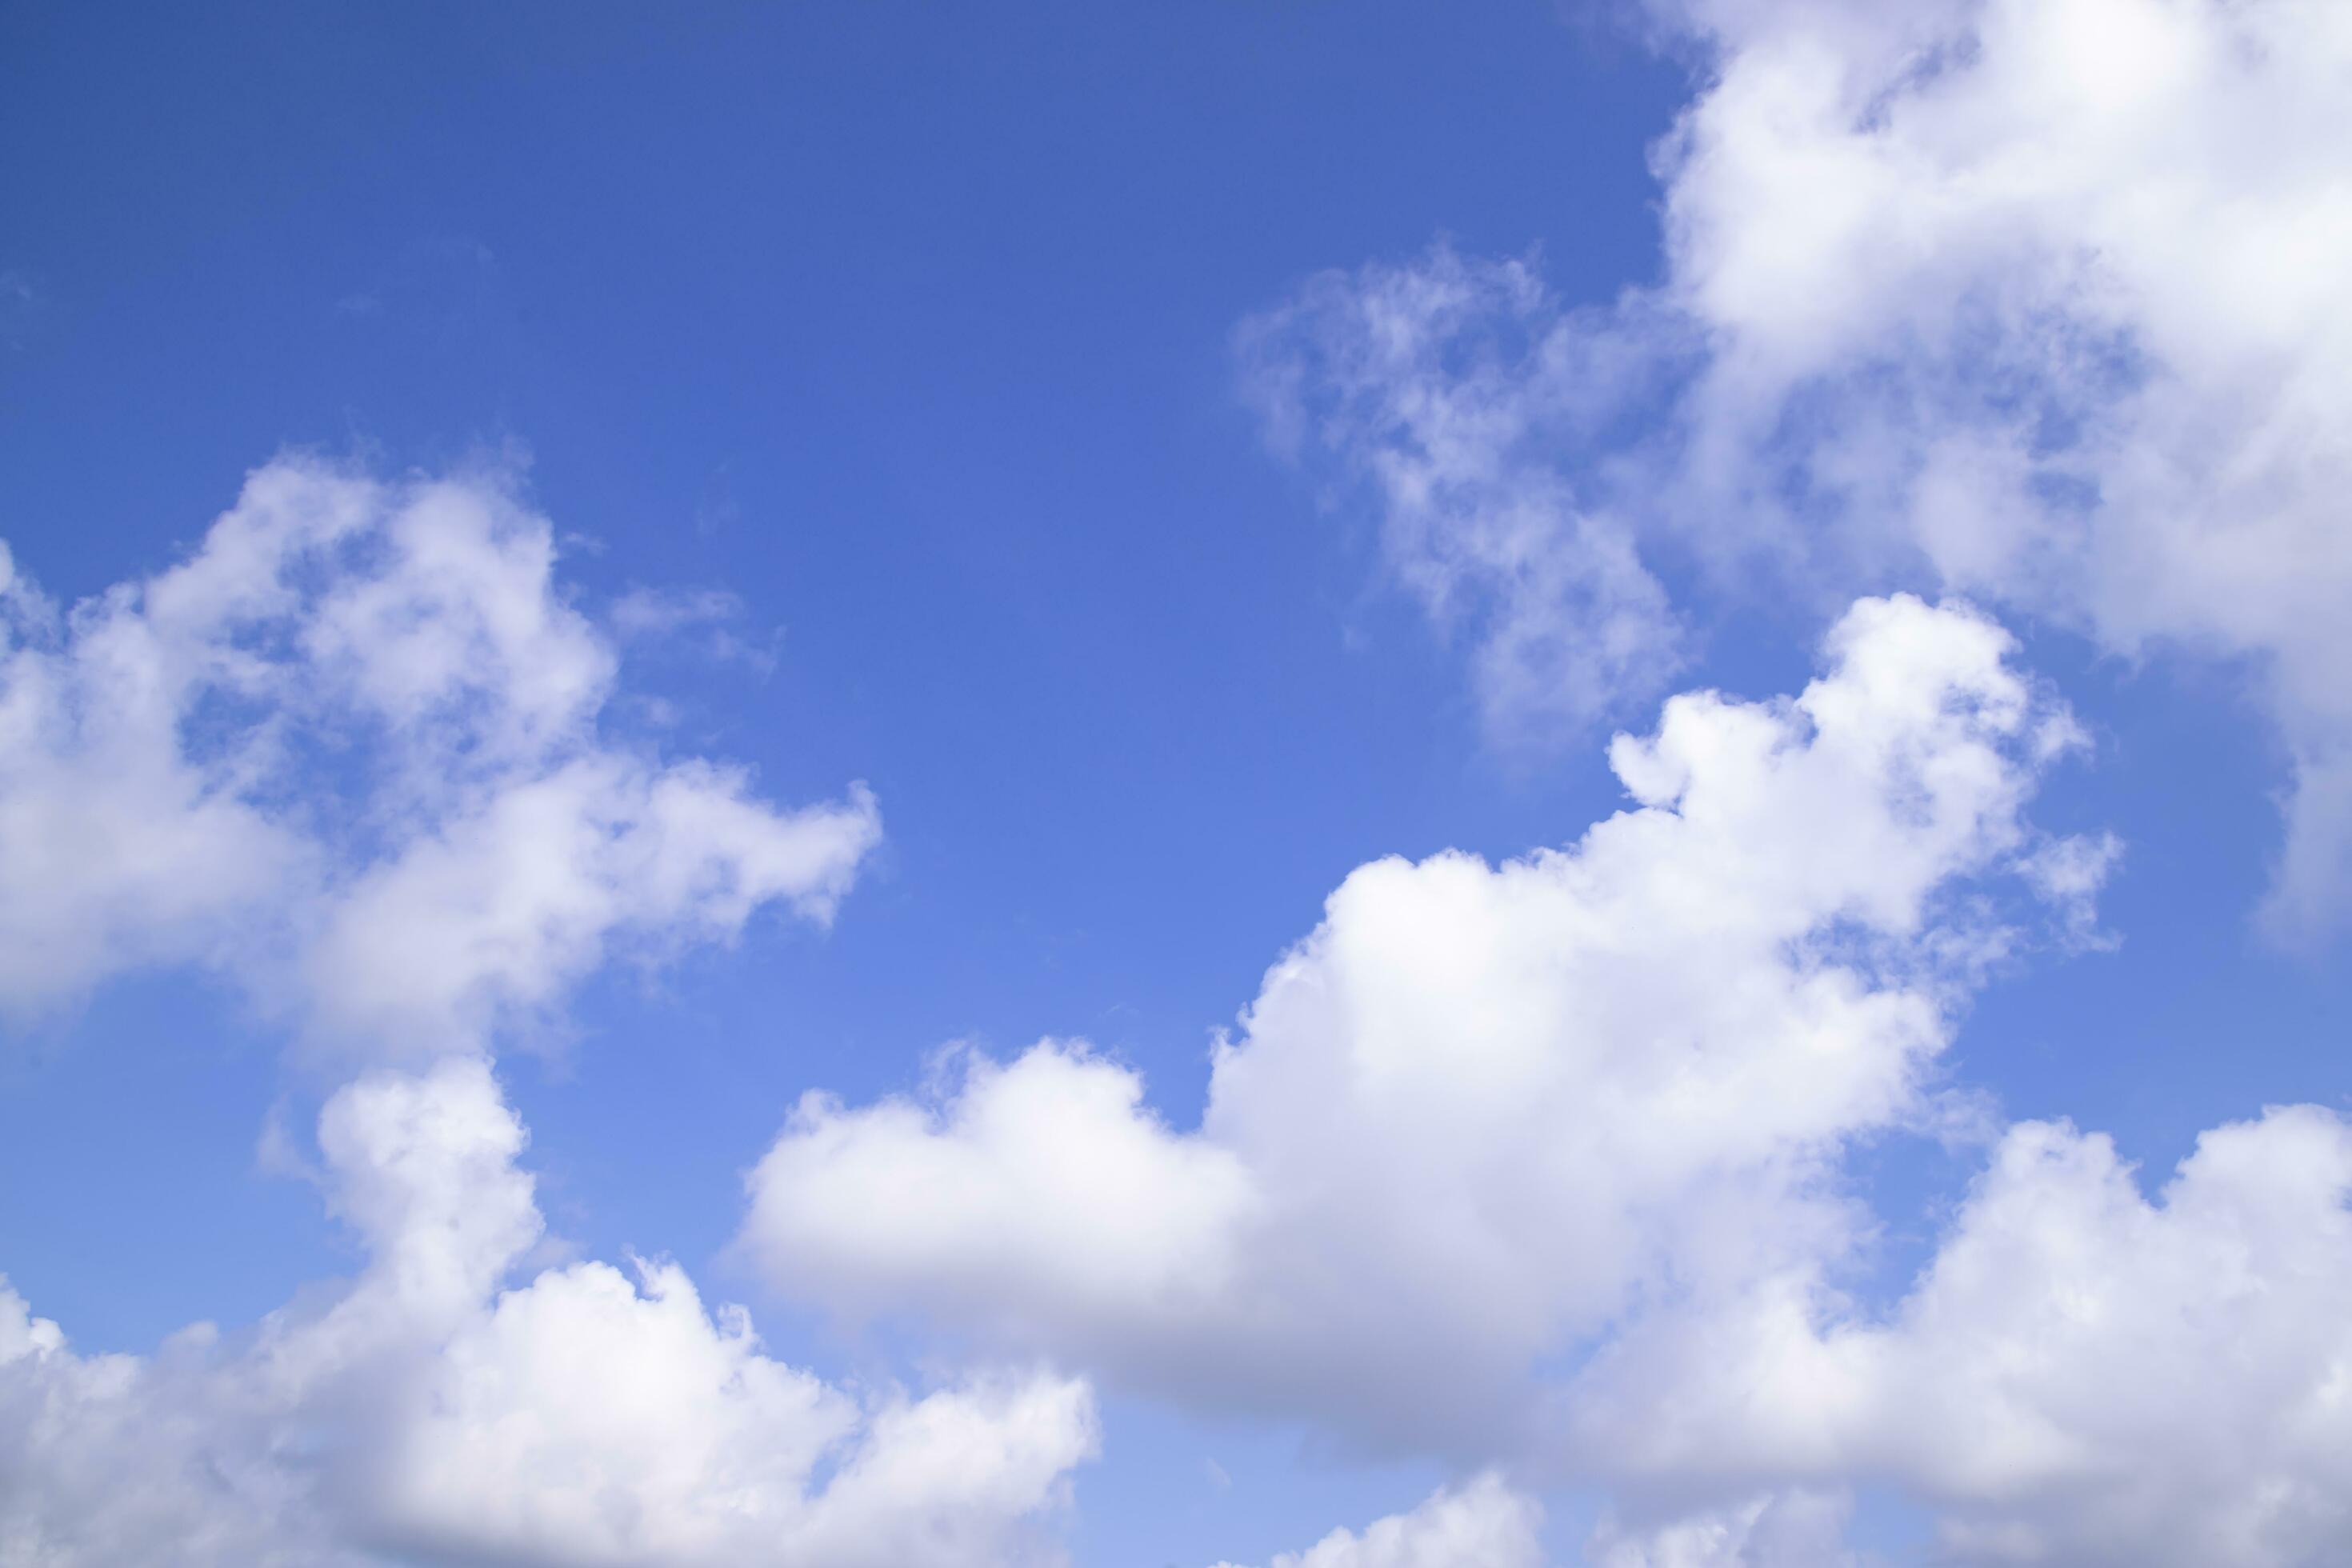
(667, 615)
(350, 751)
(2081, 1375)
(424, 1412)
(1483, 1111)
(1795, 1529)
(1419, 385)
(1483, 1524)
(2037, 300)
(997, 1189)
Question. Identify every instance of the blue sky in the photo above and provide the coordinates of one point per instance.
(1130, 443)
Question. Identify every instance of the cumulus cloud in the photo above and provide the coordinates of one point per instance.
(1546, 1161)
(350, 752)
(1484, 1110)
(2035, 301)
(1484, 1524)
(2081, 1374)
(424, 1412)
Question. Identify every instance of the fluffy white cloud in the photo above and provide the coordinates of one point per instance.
(2036, 299)
(2081, 1375)
(425, 1413)
(1483, 1111)
(1484, 1524)
(349, 749)
(1045, 1172)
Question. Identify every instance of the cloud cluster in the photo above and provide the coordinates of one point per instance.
(1543, 1168)
(1543, 1164)
(1484, 1111)
(350, 753)
(353, 752)
(424, 1413)
(2034, 298)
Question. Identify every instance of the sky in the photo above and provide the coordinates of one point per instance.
(1274, 785)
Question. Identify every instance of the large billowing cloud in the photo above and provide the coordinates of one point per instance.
(2038, 299)
(423, 1413)
(351, 751)
(1484, 1111)
(1545, 1163)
